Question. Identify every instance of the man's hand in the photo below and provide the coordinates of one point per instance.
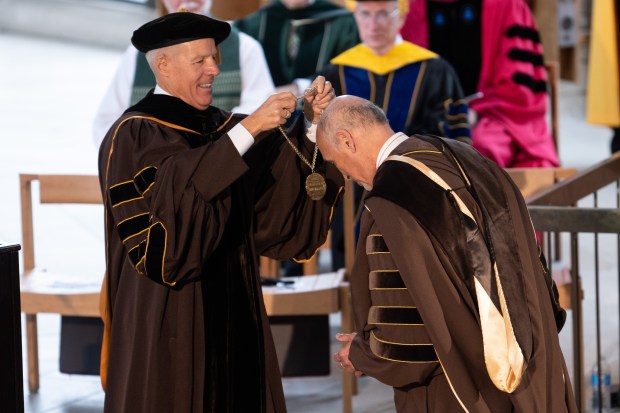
(271, 114)
(342, 357)
(317, 97)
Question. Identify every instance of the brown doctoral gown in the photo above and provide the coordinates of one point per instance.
(186, 218)
(415, 303)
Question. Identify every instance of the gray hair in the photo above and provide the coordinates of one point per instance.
(349, 113)
(152, 56)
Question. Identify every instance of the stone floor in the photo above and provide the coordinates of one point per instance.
(49, 92)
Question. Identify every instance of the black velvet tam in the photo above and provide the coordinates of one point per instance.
(179, 27)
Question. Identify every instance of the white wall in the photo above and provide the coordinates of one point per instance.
(97, 22)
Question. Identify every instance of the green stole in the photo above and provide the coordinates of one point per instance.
(227, 88)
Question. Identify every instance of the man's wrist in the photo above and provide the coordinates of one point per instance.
(241, 137)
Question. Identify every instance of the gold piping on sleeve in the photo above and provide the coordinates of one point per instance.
(399, 344)
(343, 83)
(138, 264)
(133, 180)
(124, 240)
(151, 184)
(219, 128)
(373, 86)
(137, 233)
(140, 261)
(416, 91)
(378, 252)
(374, 235)
(120, 183)
(163, 256)
(459, 125)
(126, 201)
(403, 361)
(141, 170)
(395, 324)
(131, 217)
(388, 89)
(458, 116)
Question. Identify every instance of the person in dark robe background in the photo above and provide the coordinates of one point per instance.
(299, 38)
(411, 84)
(495, 48)
(453, 305)
(192, 195)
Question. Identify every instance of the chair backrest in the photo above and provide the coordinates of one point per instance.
(531, 181)
(53, 189)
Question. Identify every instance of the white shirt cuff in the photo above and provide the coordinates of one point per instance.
(241, 138)
(311, 131)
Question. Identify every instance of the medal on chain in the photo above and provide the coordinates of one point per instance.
(316, 187)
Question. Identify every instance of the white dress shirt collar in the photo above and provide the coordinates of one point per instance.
(159, 91)
(389, 146)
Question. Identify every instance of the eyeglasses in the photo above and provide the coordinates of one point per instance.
(381, 17)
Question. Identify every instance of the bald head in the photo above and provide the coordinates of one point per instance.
(350, 113)
(350, 134)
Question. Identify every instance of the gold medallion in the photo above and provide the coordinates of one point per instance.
(315, 186)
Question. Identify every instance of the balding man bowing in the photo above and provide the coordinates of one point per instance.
(193, 195)
(452, 303)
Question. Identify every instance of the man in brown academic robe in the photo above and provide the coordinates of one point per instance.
(453, 306)
(193, 195)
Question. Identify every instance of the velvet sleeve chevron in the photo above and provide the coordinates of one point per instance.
(163, 208)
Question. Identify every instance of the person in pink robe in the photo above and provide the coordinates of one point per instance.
(495, 48)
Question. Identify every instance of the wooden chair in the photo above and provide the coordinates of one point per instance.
(531, 181)
(50, 292)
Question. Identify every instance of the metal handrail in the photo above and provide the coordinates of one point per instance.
(555, 210)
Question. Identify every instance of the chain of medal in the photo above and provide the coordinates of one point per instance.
(315, 183)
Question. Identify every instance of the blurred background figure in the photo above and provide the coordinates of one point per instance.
(411, 84)
(243, 84)
(603, 99)
(299, 37)
(495, 49)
